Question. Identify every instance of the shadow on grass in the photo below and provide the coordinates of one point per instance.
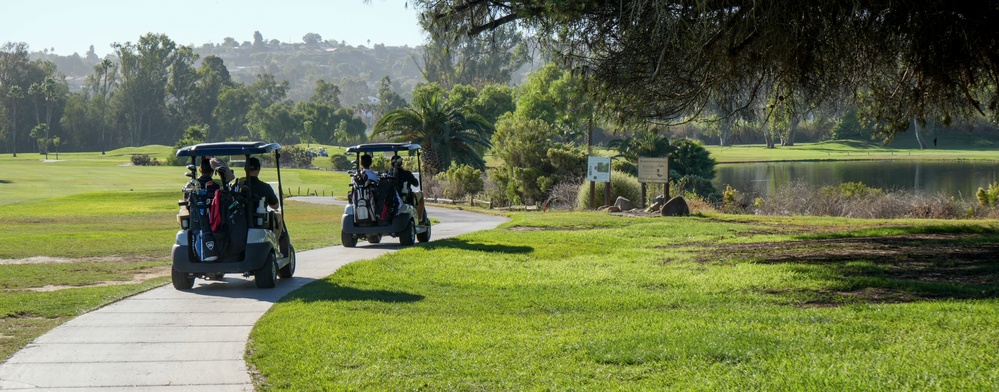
(324, 291)
(6, 181)
(454, 243)
(921, 263)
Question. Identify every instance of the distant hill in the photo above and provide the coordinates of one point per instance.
(357, 70)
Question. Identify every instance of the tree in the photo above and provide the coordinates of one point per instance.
(14, 64)
(145, 73)
(447, 134)
(474, 61)
(312, 39)
(258, 41)
(326, 93)
(14, 94)
(103, 79)
(388, 100)
(493, 101)
(664, 60)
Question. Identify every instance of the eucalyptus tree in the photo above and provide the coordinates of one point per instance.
(145, 69)
(103, 79)
(449, 135)
(663, 60)
(14, 62)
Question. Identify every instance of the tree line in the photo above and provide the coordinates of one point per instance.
(152, 91)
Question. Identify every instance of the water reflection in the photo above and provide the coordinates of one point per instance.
(961, 179)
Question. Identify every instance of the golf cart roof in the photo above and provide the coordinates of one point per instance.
(227, 148)
(383, 147)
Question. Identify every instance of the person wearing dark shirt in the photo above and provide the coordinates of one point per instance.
(403, 179)
(259, 188)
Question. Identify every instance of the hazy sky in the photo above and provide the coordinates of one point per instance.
(73, 25)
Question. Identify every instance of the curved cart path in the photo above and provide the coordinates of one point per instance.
(169, 340)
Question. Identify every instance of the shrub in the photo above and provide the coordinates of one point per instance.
(295, 157)
(144, 160)
(341, 162)
(990, 197)
(459, 181)
(622, 184)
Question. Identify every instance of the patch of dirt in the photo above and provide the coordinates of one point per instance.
(140, 276)
(101, 259)
(892, 269)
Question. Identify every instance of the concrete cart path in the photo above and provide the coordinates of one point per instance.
(169, 340)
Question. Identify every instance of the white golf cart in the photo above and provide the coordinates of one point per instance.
(229, 229)
(382, 206)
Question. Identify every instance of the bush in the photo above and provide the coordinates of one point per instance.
(459, 181)
(295, 157)
(990, 197)
(341, 162)
(622, 184)
(144, 160)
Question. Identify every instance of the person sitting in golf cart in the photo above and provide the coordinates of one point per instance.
(404, 179)
(260, 190)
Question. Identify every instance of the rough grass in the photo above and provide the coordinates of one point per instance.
(593, 302)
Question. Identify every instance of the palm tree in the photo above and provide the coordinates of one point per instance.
(446, 133)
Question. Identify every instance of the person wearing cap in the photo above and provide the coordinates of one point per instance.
(403, 178)
(205, 180)
(259, 188)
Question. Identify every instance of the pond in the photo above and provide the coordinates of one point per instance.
(954, 178)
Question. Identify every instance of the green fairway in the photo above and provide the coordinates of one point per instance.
(588, 301)
(104, 230)
(962, 148)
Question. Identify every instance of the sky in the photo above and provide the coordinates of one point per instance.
(71, 26)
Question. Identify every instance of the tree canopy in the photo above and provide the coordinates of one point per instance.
(664, 60)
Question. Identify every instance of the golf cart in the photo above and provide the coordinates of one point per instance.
(227, 229)
(381, 206)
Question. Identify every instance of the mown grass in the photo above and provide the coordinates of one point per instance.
(86, 208)
(592, 302)
(851, 150)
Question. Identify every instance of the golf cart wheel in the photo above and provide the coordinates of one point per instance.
(407, 236)
(181, 281)
(267, 275)
(425, 236)
(348, 240)
(289, 269)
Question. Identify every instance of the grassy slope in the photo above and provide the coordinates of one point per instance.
(594, 302)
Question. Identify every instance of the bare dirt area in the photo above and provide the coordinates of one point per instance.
(52, 260)
(898, 268)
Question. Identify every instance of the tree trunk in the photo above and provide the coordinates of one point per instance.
(919, 136)
(792, 127)
(724, 129)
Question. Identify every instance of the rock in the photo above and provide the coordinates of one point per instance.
(675, 207)
(658, 200)
(613, 209)
(624, 204)
(655, 207)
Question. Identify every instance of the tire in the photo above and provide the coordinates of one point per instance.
(348, 240)
(289, 269)
(407, 236)
(181, 281)
(425, 236)
(266, 276)
(374, 239)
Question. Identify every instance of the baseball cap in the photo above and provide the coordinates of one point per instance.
(252, 164)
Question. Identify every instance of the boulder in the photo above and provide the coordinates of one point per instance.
(624, 204)
(655, 207)
(676, 206)
(613, 209)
